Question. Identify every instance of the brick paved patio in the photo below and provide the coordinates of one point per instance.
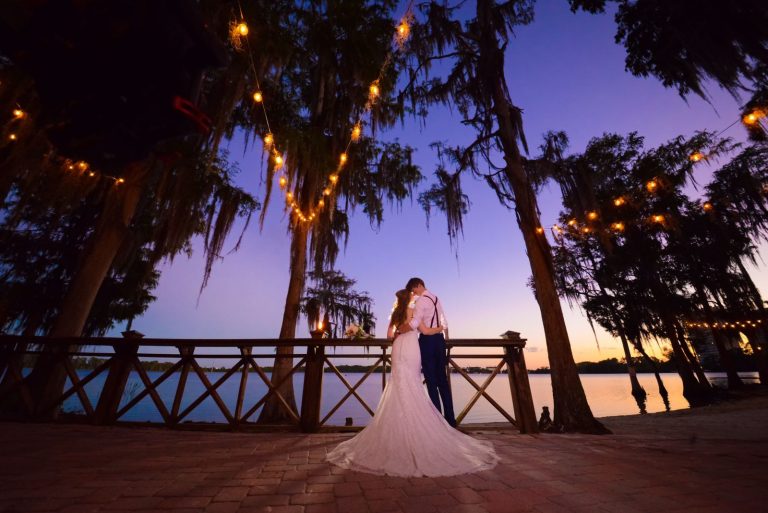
(82, 469)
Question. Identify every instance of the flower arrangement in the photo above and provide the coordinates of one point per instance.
(354, 331)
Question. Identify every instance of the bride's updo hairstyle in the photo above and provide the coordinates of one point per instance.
(400, 313)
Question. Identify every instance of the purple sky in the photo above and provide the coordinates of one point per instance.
(566, 72)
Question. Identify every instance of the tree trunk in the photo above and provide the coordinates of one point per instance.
(571, 409)
(726, 356)
(696, 393)
(692, 357)
(638, 392)
(48, 377)
(662, 389)
(273, 410)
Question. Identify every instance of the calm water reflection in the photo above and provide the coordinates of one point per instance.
(608, 394)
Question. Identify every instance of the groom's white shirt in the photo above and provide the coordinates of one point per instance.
(424, 309)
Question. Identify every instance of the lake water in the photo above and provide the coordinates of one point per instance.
(608, 394)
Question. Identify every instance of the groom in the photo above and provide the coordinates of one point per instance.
(429, 310)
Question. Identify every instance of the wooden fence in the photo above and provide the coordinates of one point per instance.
(312, 356)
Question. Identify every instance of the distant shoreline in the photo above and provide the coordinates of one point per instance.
(609, 366)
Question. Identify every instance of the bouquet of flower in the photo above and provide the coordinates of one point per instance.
(354, 331)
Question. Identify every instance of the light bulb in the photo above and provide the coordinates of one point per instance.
(242, 29)
(356, 132)
(343, 158)
(258, 97)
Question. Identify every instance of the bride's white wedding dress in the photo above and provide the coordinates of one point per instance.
(408, 437)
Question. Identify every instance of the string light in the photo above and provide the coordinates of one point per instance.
(618, 226)
(120, 180)
(356, 132)
(707, 206)
(373, 91)
(539, 230)
(696, 157)
(619, 201)
(657, 218)
(239, 29)
(18, 113)
(751, 118)
(572, 222)
(652, 185)
(13, 137)
(592, 215)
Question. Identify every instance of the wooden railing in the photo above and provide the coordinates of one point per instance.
(310, 356)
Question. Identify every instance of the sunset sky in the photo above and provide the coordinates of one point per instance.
(566, 73)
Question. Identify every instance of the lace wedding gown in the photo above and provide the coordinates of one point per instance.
(408, 437)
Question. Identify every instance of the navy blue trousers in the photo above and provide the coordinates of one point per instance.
(433, 363)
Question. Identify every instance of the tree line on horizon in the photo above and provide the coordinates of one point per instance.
(80, 254)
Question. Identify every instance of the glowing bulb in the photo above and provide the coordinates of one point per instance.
(373, 91)
(357, 132)
(557, 228)
(70, 167)
(619, 227)
(585, 229)
(619, 201)
(258, 97)
(268, 140)
(12, 137)
(403, 31)
(91, 173)
(658, 218)
(592, 215)
(326, 192)
(750, 119)
(278, 160)
(82, 166)
(572, 222)
(242, 29)
(289, 196)
(539, 230)
(652, 185)
(283, 181)
(697, 156)
(321, 204)
(707, 206)
(18, 113)
(343, 158)
(120, 180)
(333, 178)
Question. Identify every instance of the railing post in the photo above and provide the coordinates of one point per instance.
(525, 414)
(186, 353)
(311, 397)
(114, 386)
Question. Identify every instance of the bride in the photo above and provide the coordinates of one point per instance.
(408, 437)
